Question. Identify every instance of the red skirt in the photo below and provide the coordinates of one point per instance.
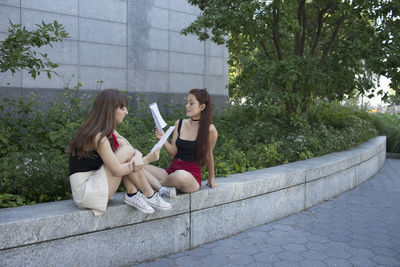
(188, 166)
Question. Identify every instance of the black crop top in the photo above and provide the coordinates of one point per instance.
(186, 148)
(77, 164)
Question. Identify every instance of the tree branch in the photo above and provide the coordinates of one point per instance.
(339, 23)
(321, 14)
(303, 34)
(264, 47)
(261, 42)
(297, 39)
(249, 32)
(275, 31)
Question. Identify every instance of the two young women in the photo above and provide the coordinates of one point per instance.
(100, 158)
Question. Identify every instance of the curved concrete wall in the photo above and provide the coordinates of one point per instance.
(60, 234)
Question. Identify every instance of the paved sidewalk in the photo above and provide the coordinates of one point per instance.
(358, 228)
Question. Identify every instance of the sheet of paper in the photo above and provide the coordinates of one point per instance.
(160, 123)
(163, 139)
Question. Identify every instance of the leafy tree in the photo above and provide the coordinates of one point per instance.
(394, 99)
(17, 50)
(293, 51)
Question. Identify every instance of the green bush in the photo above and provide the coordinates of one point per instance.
(389, 125)
(34, 165)
(296, 137)
(11, 200)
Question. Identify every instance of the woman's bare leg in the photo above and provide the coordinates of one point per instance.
(113, 182)
(130, 187)
(135, 180)
(182, 180)
(140, 181)
(157, 172)
(123, 154)
(153, 181)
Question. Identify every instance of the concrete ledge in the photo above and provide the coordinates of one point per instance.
(58, 233)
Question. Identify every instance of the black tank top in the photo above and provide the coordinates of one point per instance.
(77, 164)
(186, 149)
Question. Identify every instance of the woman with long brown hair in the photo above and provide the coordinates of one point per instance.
(191, 147)
(100, 158)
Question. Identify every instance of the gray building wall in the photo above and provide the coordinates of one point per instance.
(133, 45)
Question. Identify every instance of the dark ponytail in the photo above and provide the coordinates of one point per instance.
(202, 139)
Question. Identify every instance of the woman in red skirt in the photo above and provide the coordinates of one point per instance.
(191, 147)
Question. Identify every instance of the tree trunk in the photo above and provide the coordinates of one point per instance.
(289, 107)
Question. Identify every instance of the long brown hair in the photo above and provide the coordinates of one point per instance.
(101, 120)
(202, 139)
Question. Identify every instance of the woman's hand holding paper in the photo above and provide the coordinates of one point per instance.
(158, 134)
(152, 156)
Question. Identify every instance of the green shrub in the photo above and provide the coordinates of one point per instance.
(263, 155)
(228, 157)
(33, 163)
(11, 200)
(39, 176)
(300, 136)
(389, 125)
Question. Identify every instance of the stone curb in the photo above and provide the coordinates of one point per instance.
(58, 233)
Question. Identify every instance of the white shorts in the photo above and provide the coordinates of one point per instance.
(90, 190)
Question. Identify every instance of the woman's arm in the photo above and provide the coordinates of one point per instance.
(110, 160)
(210, 158)
(152, 156)
(138, 160)
(170, 147)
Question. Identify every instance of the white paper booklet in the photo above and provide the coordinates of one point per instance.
(160, 123)
(163, 139)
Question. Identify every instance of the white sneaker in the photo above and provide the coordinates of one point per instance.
(138, 201)
(157, 202)
(169, 192)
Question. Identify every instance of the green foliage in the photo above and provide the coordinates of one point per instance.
(229, 158)
(10, 200)
(34, 165)
(294, 51)
(253, 137)
(394, 99)
(389, 125)
(32, 143)
(17, 50)
(263, 155)
(328, 127)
